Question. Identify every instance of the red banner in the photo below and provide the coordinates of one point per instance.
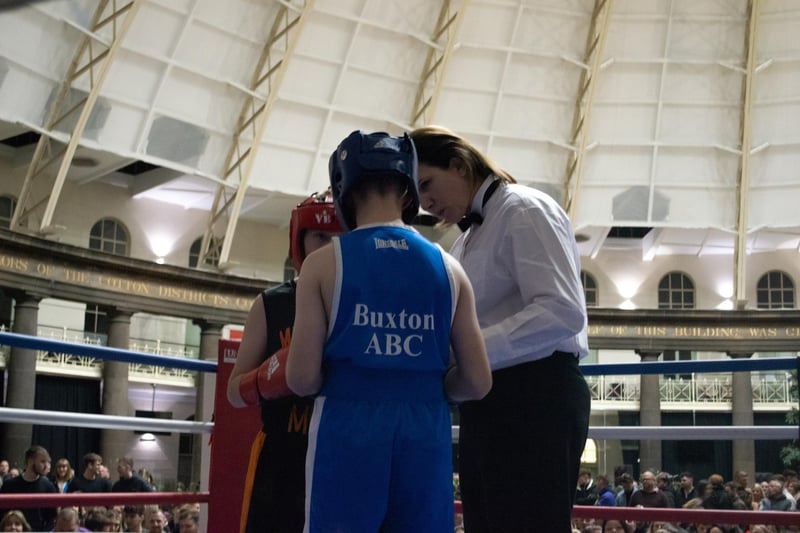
(234, 432)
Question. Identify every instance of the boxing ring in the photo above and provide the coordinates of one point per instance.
(224, 488)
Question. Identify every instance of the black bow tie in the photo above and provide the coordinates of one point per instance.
(473, 218)
(476, 218)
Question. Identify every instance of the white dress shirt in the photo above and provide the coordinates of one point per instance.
(524, 266)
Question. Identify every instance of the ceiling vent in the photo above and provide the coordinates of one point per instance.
(23, 139)
(137, 167)
(634, 232)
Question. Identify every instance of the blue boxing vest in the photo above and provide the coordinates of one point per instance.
(390, 320)
(380, 455)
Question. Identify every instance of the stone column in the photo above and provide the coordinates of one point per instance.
(744, 451)
(649, 413)
(204, 402)
(21, 371)
(115, 443)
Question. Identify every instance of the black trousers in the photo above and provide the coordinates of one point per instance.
(520, 448)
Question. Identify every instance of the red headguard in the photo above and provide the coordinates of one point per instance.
(316, 212)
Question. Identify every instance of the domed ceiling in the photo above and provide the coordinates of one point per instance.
(677, 119)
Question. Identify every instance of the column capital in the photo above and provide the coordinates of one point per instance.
(20, 295)
(648, 355)
(206, 325)
(116, 311)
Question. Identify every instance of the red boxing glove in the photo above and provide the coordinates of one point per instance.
(272, 376)
(268, 381)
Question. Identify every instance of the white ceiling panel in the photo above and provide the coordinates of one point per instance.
(554, 31)
(503, 16)
(635, 38)
(541, 76)
(134, 78)
(712, 85)
(696, 165)
(663, 123)
(156, 30)
(707, 38)
(477, 69)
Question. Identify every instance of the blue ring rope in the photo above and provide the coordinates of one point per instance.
(688, 367)
(597, 369)
(104, 352)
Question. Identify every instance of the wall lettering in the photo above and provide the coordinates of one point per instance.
(115, 283)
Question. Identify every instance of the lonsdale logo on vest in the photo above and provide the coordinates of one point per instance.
(396, 244)
(401, 343)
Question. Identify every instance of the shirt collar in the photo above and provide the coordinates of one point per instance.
(477, 200)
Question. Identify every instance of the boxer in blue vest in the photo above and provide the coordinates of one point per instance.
(387, 337)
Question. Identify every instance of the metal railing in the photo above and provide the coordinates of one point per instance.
(770, 391)
(55, 362)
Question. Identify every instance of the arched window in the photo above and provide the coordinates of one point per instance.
(110, 236)
(194, 253)
(676, 291)
(589, 455)
(7, 205)
(775, 290)
(589, 288)
(107, 235)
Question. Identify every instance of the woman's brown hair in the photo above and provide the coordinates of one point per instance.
(17, 516)
(438, 147)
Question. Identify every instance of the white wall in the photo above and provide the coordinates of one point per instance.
(258, 251)
(160, 457)
(622, 275)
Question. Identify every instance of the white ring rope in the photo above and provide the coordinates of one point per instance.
(62, 418)
(687, 432)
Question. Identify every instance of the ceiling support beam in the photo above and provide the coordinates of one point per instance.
(90, 64)
(264, 88)
(743, 178)
(593, 58)
(443, 42)
(651, 185)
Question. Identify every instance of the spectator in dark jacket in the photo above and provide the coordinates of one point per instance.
(628, 487)
(686, 491)
(90, 480)
(717, 497)
(128, 480)
(586, 493)
(33, 480)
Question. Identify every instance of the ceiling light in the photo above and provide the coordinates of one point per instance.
(147, 437)
(161, 243)
(627, 287)
(725, 289)
(726, 305)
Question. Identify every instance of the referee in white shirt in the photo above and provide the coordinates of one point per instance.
(519, 447)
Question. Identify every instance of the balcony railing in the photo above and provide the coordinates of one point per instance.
(76, 365)
(771, 391)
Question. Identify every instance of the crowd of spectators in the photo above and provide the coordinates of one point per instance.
(773, 492)
(37, 477)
